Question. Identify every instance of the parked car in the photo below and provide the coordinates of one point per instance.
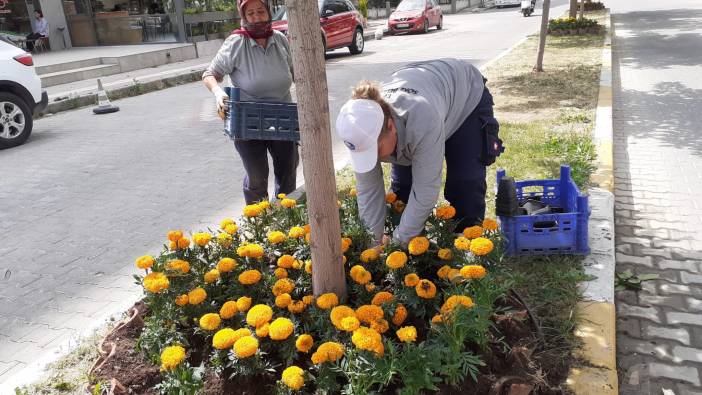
(415, 16)
(342, 25)
(507, 3)
(21, 95)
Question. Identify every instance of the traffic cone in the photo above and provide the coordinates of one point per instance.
(104, 105)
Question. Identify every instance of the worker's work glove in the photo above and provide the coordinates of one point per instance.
(220, 97)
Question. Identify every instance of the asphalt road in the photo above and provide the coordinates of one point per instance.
(87, 194)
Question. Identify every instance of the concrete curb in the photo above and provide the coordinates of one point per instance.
(597, 313)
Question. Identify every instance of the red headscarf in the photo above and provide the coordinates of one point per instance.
(254, 30)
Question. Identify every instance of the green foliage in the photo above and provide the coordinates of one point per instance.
(572, 23)
(576, 150)
(363, 7)
(627, 280)
(184, 380)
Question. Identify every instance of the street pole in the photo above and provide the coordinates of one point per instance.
(317, 161)
(539, 67)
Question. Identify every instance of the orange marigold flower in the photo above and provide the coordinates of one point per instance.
(286, 261)
(445, 254)
(211, 276)
(308, 266)
(445, 212)
(304, 343)
(340, 312)
(308, 299)
(380, 326)
(179, 265)
(369, 313)
(284, 285)
(263, 331)
(328, 352)
(366, 339)
(259, 315)
(281, 329)
(276, 237)
(411, 280)
(197, 296)
(396, 260)
(228, 310)
(202, 238)
(226, 222)
(481, 246)
(327, 301)
(453, 273)
(349, 324)
(370, 255)
(280, 273)
(296, 232)
(224, 239)
(426, 289)
(400, 315)
(370, 287)
(456, 300)
(381, 297)
(243, 303)
(296, 306)
(175, 235)
(473, 232)
(181, 300)
(210, 321)
(390, 197)
(407, 334)
(156, 282)
(226, 265)
(418, 245)
(249, 277)
(183, 243)
(252, 210)
(490, 224)
(473, 271)
(224, 339)
(462, 243)
(145, 262)
(283, 300)
(443, 272)
(345, 244)
(245, 347)
(288, 203)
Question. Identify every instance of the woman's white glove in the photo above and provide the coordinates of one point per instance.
(220, 97)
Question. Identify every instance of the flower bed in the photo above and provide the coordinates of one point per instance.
(232, 311)
(565, 26)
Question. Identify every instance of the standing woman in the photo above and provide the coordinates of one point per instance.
(41, 29)
(258, 61)
(426, 112)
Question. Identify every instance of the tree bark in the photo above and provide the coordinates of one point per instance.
(317, 161)
(582, 9)
(573, 12)
(542, 37)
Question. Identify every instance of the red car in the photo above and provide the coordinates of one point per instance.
(415, 16)
(342, 25)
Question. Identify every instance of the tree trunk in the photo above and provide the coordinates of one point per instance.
(582, 9)
(573, 12)
(317, 160)
(542, 37)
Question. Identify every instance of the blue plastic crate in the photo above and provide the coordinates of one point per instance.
(260, 120)
(547, 234)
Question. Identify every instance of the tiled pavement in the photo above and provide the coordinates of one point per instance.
(658, 189)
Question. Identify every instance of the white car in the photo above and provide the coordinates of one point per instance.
(21, 95)
(506, 3)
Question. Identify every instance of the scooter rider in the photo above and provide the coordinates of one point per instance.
(423, 113)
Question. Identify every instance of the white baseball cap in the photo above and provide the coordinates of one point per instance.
(359, 124)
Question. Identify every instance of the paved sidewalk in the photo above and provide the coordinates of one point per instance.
(658, 181)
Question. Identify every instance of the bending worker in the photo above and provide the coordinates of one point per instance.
(423, 113)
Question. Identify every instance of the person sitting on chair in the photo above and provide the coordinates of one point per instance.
(41, 27)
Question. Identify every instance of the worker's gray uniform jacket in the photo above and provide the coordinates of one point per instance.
(263, 74)
(430, 101)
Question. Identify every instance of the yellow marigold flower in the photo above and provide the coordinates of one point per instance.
(304, 343)
(288, 203)
(210, 321)
(231, 229)
(360, 275)
(296, 306)
(181, 300)
(328, 352)
(293, 377)
(243, 303)
(308, 266)
(280, 273)
(282, 196)
(145, 262)
(224, 239)
(281, 329)
(171, 357)
(228, 310)
(224, 339)
(264, 204)
(381, 297)
(399, 206)
(254, 251)
(366, 339)
(490, 224)
(308, 299)
(263, 330)
(407, 334)
(211, 276)
(297, 264)
(481, 246)
(172, 245)
(369, 313)
(283, 300)
(418, 246)
(308, 237)
(296, 232)
(276, 237)
(396, 260)
(252, 210)
(156, 282)
(202, 238)
(443, 272)
(411, 280)
(179, 265)
(473, 232)
(370, 255)
(445, 212)
(370, 287)
(353, 192)
(349, 324)
(338, 313)
(259, 315)
(473, 271)
(345, 244)
(307, 228)
(327, 301)
(286, 261)
(390, 197)
(445, 254)
(426, 289)
(380, 326)
(250, 277)
(437, 319)
(183, 243)
(245, 347)
(284, 285)
(400, 315)
(456, 300)
(226, 265)
(462, 243)
(379, 350)
(175, 235)
(197, 296)
(241, 332)
(453, 273)
(227, 221)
